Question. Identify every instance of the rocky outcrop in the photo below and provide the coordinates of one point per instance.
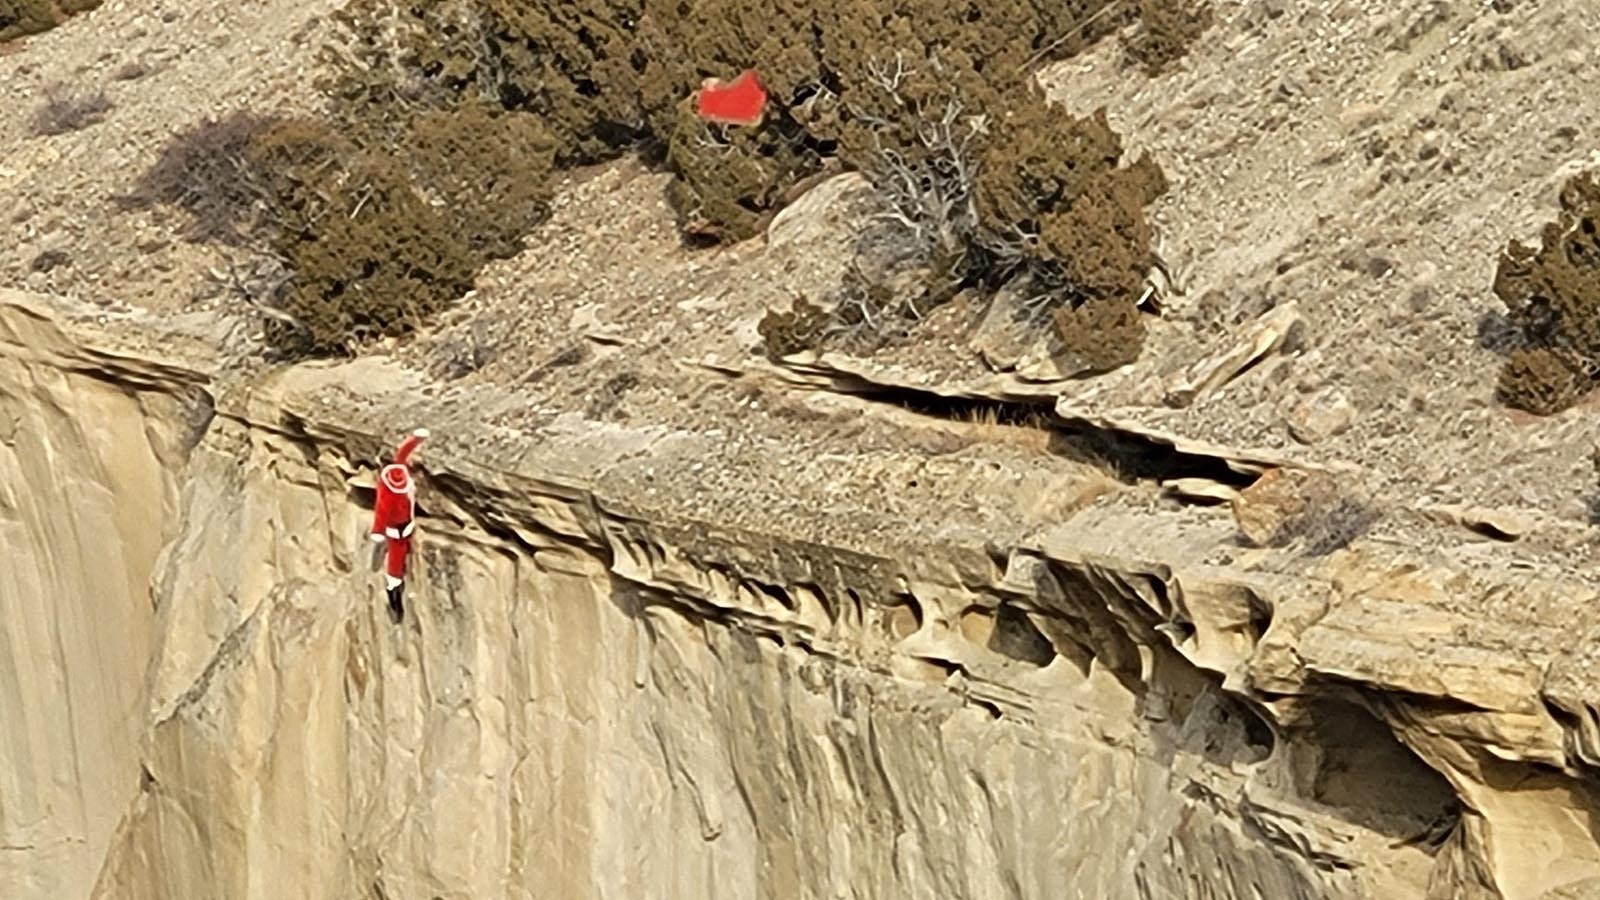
(599, 695)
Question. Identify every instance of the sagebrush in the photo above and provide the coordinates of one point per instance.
(375, 239)
(456, 113)
(20, 18)
(1553, 294)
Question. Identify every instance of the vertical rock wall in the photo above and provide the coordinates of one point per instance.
(87, 497)
(203, 696)
(598, 718)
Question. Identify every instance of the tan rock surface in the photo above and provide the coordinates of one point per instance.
(691, 624)
(88, 500)
(602, 694)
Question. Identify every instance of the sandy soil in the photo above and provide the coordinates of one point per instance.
(162, 67)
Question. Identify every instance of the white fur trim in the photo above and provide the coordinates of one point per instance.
(410, 527)
(392, 534)
(422, 432)
(389, 581)
(376, 537)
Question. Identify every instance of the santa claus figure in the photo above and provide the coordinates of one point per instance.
(393, 516)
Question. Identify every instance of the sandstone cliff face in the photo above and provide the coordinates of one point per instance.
(89, 459)
(594, 698)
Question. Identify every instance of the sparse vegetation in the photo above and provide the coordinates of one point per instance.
(730, 180)
(1099, 335)
(1325, 531)
(22, 17)
(51, 259)
(368, 253)
(486, 171)
(801, 328)
(1542, 380)
(1033, 431)
(1022, 194)
(1553, 294)
(474, 102)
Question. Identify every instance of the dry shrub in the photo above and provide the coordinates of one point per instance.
(855, 79)
(576, 65)
(1061, 212)
(1553, 294)
(380, 223)
(1327, 531)
(784, 333)
(432, 85)
(1100, 335)
(50, 259)
(301, 169)
(65, 111)
(448, 117)
(991, 424)
(487, 171)
(20, 18)
(1053, 186)
(1025, 195)
(369, 255)
(681, 44)
(1166, 31)
(24, 17)
(1541, 381)
(604, 75)
(570, 64)
(388, 60)
(204, 171)
(986, 44)
(380, 268)
(916, 253)
(1315, 511)
(729, 180)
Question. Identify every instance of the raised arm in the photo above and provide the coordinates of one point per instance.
(409, 446)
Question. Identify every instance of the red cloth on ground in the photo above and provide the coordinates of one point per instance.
(739, 102)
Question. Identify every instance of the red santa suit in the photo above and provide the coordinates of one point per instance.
(393, 517)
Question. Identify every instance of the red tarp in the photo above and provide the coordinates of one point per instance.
(739, 102)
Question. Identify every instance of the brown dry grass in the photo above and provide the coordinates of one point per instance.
(986, 425)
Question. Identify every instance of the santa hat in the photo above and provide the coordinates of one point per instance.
(396, 478)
